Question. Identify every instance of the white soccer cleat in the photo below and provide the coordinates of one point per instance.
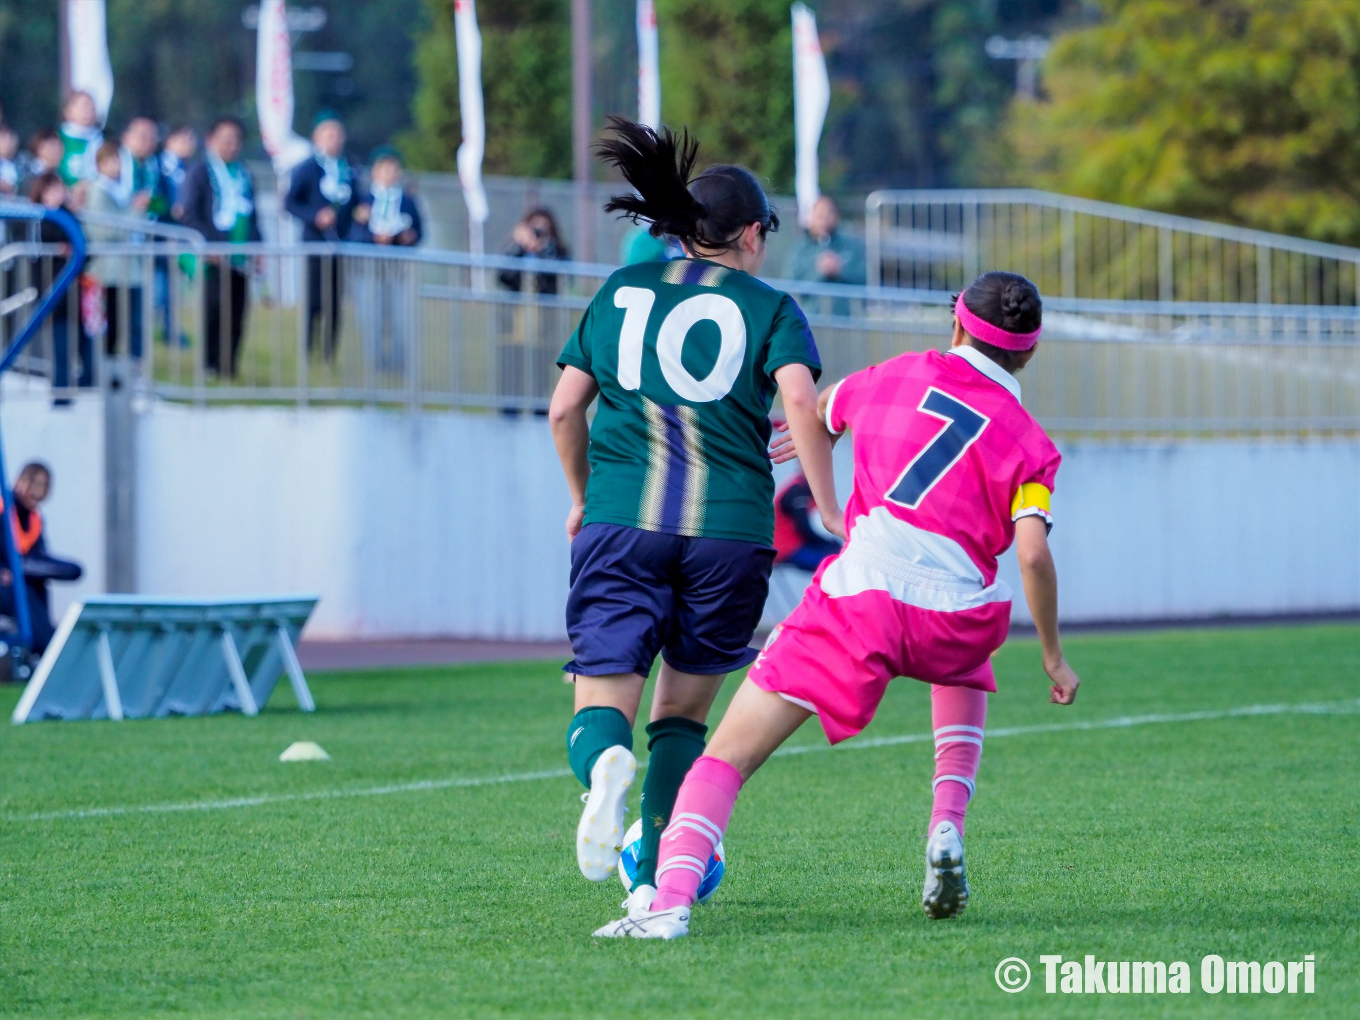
(599, 836)
(648, 924)
(946, 889)
(639, 900)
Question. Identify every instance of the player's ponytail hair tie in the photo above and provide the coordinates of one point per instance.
(1010, 298)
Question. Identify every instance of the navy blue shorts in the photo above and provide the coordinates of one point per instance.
(635, 593)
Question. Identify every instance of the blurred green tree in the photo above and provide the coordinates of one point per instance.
(526, 88)
(188, 61)
(1242, 111)
(727, 73)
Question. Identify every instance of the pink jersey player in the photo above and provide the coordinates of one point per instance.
(950, 469)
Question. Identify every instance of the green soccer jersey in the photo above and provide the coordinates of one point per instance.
(685, 354)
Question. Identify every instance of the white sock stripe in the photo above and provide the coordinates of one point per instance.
(959, 728)
(958, 738)
(680, 824)
(682, 865)
(972, 787)
(714, 831)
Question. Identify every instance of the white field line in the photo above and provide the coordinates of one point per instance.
(1344, 707)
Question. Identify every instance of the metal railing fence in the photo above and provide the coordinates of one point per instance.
(1078, 248)
(436, 329)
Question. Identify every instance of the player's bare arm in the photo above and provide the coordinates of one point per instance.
(571, 432)
(812, 441)
(1040, 578)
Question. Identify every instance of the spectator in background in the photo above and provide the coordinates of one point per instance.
(141, 174)
(822, 254)
(45, 151)
(48, 189)
(180, 147)
(81, 138)
(9, 160)
(120, 275)
(218, 198)
(386, 215)
(141, 178)
(535, 237)
(321, 197)
(31, 489)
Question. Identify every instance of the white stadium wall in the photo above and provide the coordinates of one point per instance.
(70, 440)
(451, 525)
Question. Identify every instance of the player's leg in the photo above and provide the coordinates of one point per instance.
(755, 724)
(675, 740)
(599, 750)
(617, 614)
(720, 591)
(959, 715)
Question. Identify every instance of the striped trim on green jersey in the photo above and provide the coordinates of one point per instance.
(675, 490)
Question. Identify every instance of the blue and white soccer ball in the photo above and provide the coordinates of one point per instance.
(632, 844)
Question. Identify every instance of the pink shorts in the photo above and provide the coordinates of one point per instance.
(836, 656)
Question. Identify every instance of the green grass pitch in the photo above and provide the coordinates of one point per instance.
(1237, 835)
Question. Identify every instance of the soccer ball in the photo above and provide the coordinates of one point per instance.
(632, 845)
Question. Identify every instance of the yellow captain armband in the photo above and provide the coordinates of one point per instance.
(1032, 500)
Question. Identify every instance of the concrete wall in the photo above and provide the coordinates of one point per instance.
(407, 525)
(446, 524)
(1196, 529)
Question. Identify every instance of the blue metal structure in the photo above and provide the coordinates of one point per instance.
(32, 213)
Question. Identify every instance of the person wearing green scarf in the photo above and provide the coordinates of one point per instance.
(321, 197)
(218, 199)
(80, 138)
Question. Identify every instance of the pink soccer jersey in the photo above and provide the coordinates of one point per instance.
(946, 460)
(943, 455)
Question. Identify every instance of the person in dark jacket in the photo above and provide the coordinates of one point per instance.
(218, 200)
(535, 236)
(50, 190)
(321, 197)
(385, 216)
(31, 488)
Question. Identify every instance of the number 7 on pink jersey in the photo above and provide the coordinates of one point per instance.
(962, 427)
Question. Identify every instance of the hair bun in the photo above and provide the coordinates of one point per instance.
(1006, 300)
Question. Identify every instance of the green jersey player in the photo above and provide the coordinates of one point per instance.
(673, 498)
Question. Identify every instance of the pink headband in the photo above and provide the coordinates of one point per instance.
(994, 335)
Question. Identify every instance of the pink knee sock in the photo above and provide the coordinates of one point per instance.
(700, 816)
(959, 715)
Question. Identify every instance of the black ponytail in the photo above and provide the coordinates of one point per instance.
(707, 212)
(1009, 301)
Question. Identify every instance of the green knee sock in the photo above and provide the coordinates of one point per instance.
(592, 732)
(675, 743)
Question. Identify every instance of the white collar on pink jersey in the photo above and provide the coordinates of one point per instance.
(987, 367)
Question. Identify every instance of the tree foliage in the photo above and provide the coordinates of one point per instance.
(189, 61)
(1244, 111)
(526, 88)
(727, 73)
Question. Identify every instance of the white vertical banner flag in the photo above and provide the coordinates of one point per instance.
(811, 97)
(274, 88)
(470, 153)
(649, 66)
(88, 42)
